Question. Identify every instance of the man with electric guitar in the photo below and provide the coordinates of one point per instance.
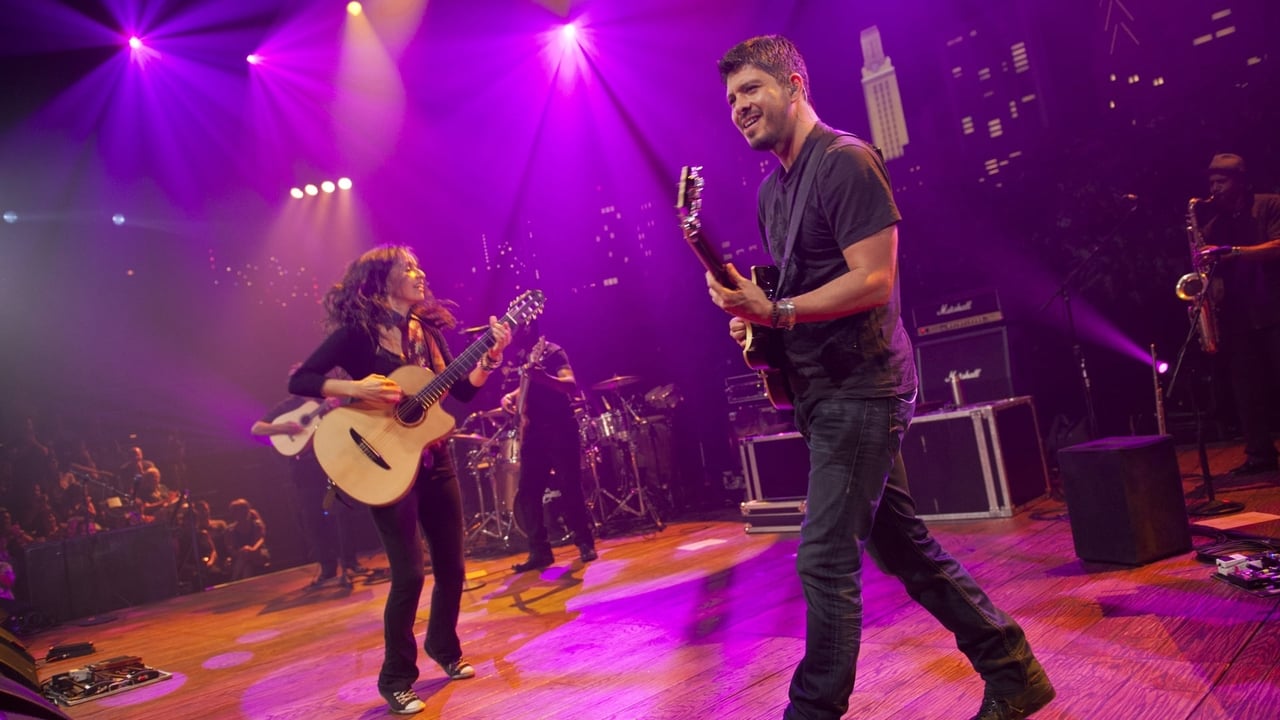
(289, 426)
(548, 442)
(386, 330)
(828, 216)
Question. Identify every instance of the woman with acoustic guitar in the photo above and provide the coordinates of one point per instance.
(382, 317)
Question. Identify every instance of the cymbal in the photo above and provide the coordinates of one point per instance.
(615, 382)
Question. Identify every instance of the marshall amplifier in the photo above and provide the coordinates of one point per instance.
(980, 359)
(963, 312)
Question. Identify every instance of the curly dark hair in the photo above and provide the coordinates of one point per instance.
(774, 54)
(360, 298)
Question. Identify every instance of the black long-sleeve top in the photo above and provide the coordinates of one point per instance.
(360, 355)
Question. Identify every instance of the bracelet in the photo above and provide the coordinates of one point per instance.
(785, 314)
(488, 364)
(773, 315)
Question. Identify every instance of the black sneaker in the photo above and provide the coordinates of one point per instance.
(1255, 467)
(326, 576)
(1019, 706)
(536, 561)
(587, 553)
(404, 702)
(459, 669)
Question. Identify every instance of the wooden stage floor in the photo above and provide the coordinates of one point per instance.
(703, 621)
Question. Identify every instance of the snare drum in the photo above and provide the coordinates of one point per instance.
(611, 426)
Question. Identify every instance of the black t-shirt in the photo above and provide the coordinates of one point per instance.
(547, 409)
(857, 356)
(1250, 288)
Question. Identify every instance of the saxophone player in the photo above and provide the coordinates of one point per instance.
(1242, 235)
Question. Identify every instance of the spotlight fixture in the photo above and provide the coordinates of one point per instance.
(118, 219)
(1162, 367)
(569, 32)
(344, 183)
(296, 193)
(135, 43)
(253, 58)
(327, 186)
(354, 8)
(311, 190)
(10, 217)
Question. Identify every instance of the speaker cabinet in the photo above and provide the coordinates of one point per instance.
(980, 358)
(1125, 499)
(16, 663)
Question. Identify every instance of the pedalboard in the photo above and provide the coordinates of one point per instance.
(1259, 573)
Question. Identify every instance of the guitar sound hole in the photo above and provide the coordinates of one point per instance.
(409, 413)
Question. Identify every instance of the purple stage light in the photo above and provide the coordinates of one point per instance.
(135, 43)
(296, 193)
(1162, 367)
(311, 190)
(253, 58)
(327, 186)
(344, 183)
(569, 33)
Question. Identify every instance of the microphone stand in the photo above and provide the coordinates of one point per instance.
(1211, 505)
(1064, 291)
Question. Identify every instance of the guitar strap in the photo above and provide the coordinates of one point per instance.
(797, 210)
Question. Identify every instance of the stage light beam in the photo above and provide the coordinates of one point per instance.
(327, 186)
(253, 59)
(10, 217)
(354, 8)
(569, 33)
(135, 43)
(311, 190)
(296, 193)
(344, 183)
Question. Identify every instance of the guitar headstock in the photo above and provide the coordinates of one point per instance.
(689, 195)
(527, 306)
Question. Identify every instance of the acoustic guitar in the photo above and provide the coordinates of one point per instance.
(762, 351)
(307, 415)
(372, 451)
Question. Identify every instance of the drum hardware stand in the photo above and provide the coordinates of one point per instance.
(498, 522)
(644, 506)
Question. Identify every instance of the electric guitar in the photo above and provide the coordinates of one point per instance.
(762, 350)
(308, 416)
(372, 451)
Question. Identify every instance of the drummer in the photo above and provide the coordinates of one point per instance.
(548, 442)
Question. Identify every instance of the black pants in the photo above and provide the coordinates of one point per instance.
(434, 504)
(540, 454)
(1253, 359)
(328, 532)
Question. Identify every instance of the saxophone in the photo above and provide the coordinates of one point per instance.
(1194, 286)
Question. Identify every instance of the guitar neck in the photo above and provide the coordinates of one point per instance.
(434, 390)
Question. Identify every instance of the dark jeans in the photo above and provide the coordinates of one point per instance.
(328, 533)
(541, 453)
(1253, 359)
(434, 504)
(858, 499)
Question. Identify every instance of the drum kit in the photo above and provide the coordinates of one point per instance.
(619, 462)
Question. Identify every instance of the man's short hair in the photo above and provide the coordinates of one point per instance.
(1226, 164)
(773, 54)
